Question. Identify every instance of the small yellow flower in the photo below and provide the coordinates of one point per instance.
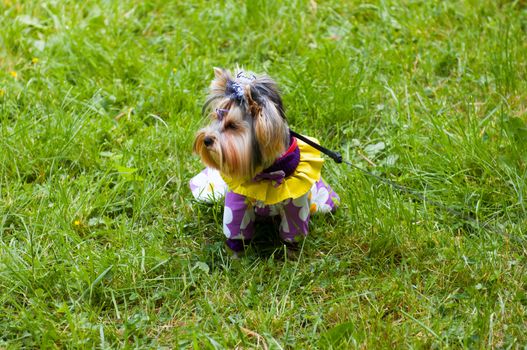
(34, 60)
(2, 92)
(174, 70)
(13, 74)
(77, 223)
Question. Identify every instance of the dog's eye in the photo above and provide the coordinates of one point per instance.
(230, 126)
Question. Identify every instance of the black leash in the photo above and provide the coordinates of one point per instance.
(337, 157)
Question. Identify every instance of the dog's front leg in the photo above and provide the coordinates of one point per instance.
(294, 216)
(238, 221)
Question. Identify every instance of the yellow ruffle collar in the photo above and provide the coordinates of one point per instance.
(293, 186)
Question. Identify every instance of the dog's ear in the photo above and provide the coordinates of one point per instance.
(219, 83)
(218, 72)
(252, 105)
(217, 88)
(265, 88)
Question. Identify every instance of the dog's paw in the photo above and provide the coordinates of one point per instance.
(236, 247)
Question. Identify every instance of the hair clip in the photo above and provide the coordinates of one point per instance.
(221, 113)
(235, 90)
(242, 75)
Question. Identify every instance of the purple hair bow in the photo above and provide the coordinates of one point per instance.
(276, 176)
(221, 113)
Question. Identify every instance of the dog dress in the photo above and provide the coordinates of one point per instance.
(291, 188)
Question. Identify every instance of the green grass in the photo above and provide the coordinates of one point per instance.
(101, 244)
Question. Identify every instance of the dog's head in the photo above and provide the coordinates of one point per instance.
(247, 129)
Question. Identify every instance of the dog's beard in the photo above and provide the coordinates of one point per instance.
(241, 152)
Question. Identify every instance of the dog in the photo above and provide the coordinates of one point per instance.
(254, 163)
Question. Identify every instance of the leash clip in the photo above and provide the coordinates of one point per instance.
(337, 157)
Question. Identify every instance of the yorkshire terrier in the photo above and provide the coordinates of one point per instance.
(255, 163)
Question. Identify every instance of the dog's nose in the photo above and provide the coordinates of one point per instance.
(208, 141)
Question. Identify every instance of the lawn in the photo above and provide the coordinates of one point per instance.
(103, 246)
